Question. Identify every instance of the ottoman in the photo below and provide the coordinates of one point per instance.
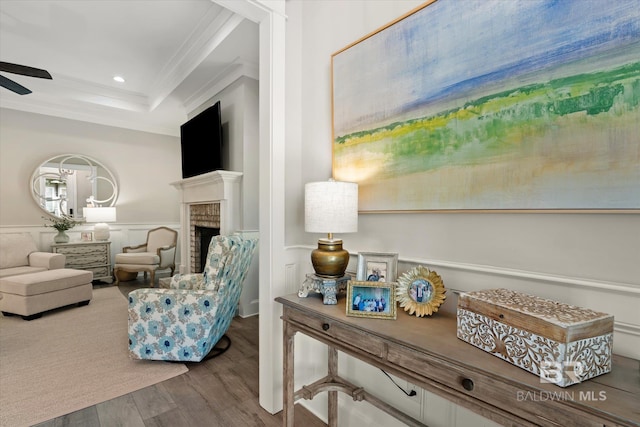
(29, 295)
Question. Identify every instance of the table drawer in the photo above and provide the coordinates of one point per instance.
(85, 261)
(83, 250)
(340, 332)
(537, 406)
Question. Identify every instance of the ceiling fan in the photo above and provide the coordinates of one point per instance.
(22, 70)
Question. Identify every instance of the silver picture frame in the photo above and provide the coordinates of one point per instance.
(377, 267)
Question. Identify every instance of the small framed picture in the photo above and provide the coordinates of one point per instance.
(377, 267)
(420, 291)
(371, 299)
(86, 236)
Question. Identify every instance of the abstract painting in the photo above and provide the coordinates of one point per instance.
(493, 105)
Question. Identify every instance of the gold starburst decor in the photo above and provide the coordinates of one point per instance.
(420, 291)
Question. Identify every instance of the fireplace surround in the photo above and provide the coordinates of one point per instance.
(200, 246)
(210, 200)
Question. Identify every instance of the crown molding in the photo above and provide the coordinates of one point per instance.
(193, 52)
(237, 69)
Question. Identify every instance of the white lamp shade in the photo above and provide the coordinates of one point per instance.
(331, 207)
(106, 214)
(100, 216)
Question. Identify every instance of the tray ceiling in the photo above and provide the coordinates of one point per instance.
(173, 54)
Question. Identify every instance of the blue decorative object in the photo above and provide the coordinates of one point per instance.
(328, 287)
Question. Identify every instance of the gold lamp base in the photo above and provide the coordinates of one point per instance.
(329, 259)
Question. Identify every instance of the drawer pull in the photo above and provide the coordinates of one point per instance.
(325, 326)
(467, 384)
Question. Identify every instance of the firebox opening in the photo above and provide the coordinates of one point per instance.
(204, 236)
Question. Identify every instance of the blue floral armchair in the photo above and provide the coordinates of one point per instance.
(184, 322)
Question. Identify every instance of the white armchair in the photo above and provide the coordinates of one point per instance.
(158, 253)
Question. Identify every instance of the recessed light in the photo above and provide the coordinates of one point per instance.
(119, 79)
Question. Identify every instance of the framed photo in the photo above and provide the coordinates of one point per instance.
(371, 299)
(420, 291)
(86, 236)
(429, 116)
(377, 267)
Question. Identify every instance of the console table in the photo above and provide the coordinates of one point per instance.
(426, 352)
(91, 256)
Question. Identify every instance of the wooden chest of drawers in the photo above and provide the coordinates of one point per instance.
(90, 256)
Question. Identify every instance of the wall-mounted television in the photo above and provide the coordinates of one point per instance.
(201, 143)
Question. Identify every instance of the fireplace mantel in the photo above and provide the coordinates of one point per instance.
(223, 187)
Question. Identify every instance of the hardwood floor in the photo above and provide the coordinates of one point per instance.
(221, 391)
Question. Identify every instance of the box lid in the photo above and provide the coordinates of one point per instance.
(552, 319)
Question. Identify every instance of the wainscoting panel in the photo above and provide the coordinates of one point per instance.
(120, 235)
(619, 299)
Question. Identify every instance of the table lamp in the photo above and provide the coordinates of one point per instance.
(330, 207)
(100, 216)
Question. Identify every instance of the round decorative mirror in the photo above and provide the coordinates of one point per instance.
(64, 185)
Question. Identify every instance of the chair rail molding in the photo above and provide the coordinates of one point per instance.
(408, 263)
(617, 298)
(627, 288)
(122, 234)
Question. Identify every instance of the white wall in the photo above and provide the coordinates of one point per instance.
(143, 163)
(590, 260)
(239, 112)
(250, 158)
(250, 297)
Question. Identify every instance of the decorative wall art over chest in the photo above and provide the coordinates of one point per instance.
(493, 105)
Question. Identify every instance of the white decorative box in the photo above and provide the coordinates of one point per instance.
(561, 343)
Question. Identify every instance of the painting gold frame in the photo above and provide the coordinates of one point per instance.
(428, 119)
(420, 291)
(363, 299)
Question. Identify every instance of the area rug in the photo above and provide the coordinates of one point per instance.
(70, 359)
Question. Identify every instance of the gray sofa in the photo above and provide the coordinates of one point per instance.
(32, 281)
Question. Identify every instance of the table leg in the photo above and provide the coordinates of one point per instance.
(333, 395)
(287, 375)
